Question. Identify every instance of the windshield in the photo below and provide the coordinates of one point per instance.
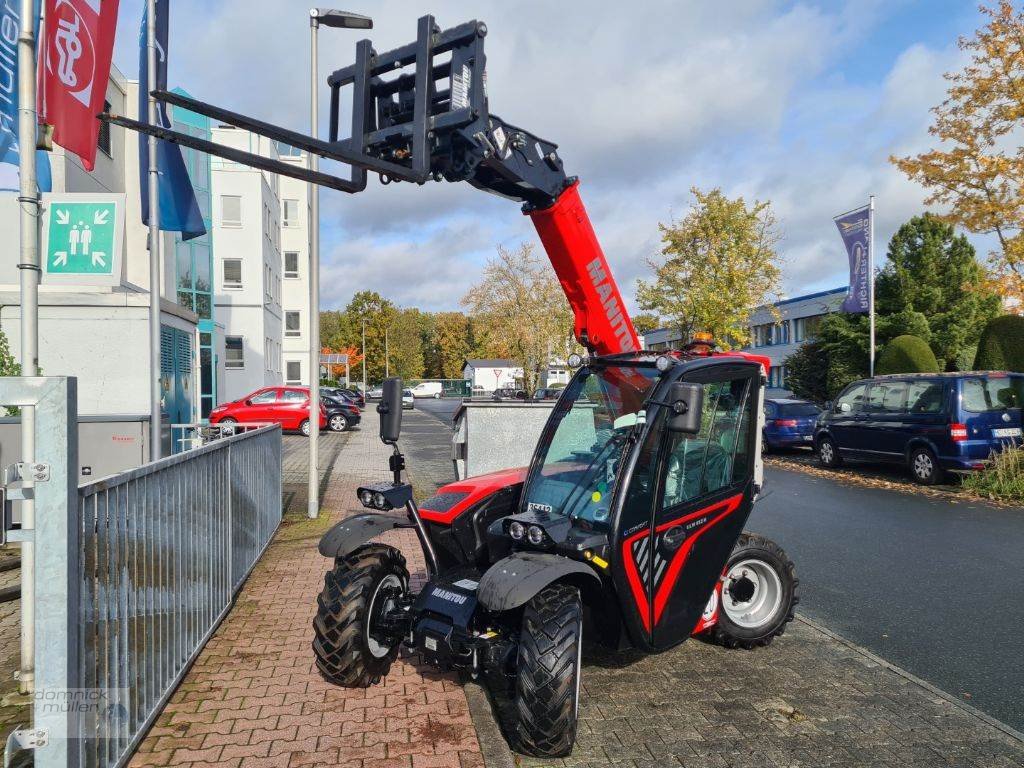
(575, 473)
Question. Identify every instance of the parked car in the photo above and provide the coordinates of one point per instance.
(508, 393)
(375, 393)
(432, 389)
(408, 399)
(789, 423)
(342, 413)
(287, 406)
(548, 393)
(477, 391)
(351, 395)
(932, 422)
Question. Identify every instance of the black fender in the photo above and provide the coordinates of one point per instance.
(512, 581)
(352, 533)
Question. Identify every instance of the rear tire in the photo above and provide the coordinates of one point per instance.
(304, 427)
(924, 466)
(354, 593)
(548, 684)
(828, 453)
(758, 596)
(337, 423)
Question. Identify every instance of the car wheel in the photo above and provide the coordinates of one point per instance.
(337, 423)
(828, 453)
(304, 427)
(227, 428)
(437, 395)
(924, 466)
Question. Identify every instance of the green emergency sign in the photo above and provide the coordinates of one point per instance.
(83, 235)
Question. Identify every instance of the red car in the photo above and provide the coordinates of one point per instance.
(287, 406)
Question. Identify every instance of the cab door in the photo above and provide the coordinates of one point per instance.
(705, 488)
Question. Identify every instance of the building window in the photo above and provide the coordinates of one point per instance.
(291, 213)
(234, 353)
(291, 324)
(103, 141)
(291, 264)
(233, 274)
(293, 373)
(268, 283)
(230, 211)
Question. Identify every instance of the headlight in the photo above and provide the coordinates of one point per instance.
(535, 534)
(366, 498)
(379, 501)
(516, 530)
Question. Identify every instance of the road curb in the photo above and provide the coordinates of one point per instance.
(493, 745)
(969, 709)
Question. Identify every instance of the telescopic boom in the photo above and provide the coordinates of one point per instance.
(419, 113)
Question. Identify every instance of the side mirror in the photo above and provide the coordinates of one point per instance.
(845, 408)
(390, 410)
(248, 402)
(687, 402)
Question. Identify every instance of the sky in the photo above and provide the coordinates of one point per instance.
(800, 104)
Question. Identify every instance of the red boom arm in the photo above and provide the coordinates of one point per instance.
(601, 321)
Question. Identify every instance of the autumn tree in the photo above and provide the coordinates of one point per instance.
(449, 344)
(978, 168)
(715, 267)
(645, 322)
(519, 311)
(337, 372)
(345, 329)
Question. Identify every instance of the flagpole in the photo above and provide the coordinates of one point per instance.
(871, 283)
(28, 266)
(155, 447)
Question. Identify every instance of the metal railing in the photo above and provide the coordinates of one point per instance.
(163, 550)
(187, 437)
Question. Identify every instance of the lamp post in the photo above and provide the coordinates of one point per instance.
(328, 17)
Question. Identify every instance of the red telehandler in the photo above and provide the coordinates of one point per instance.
(628, 524)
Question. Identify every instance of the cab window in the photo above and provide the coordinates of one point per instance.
(924, 397)
(718, 455)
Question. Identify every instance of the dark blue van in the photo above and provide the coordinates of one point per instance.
(789, 423)
(932, 422)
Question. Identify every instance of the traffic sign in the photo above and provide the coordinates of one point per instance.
(82, 235)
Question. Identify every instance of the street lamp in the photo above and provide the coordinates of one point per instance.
(328, 17)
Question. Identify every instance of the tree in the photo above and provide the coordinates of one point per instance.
(405, 344)
(337, 372)
(933, 287)
(450, 344)
(8, 367)
(1001, 347)
(717, 265)
(345, 329)
(807, 372)
(907, 354)
(645, 322)
(519, 311)
(978, 171)
(844, 341)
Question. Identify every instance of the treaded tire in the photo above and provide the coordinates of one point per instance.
(924, 466)
(340, 636)
(548, 681)
(726, 632)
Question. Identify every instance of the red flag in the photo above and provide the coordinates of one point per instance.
(77, 51)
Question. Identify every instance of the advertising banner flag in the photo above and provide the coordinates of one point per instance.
(855, 229)
(10, 23)
(179, 210)
(73, 71)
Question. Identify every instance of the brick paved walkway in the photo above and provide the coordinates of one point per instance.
(254, 698)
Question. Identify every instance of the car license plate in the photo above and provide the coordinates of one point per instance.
(1006, 432)
(807, 438)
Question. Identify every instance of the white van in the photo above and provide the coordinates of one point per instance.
(427, 389)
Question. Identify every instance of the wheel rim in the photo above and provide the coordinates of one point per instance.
(377, 649)
(338, 423)
(923, 465)
(304, 428)
(826, 452)
(759, 589)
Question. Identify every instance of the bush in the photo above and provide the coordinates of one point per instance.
(1001, 347)
(1003, 479)
(807, 372)
(907, 354)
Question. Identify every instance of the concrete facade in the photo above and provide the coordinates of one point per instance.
(295, 250)
(247, 265)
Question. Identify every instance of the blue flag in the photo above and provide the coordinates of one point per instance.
(10, 23)
(179, 211)
(854, 228)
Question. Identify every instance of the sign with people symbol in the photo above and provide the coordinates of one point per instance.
(83, 238)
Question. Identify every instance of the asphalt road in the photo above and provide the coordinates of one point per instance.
(933, 586)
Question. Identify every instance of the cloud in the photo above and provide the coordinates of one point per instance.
(645, 101)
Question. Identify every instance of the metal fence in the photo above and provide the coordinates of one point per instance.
(163, 550)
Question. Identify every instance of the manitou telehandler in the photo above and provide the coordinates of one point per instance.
(628, 524)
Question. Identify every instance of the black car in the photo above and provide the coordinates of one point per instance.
(507, 393)
(548, 393)
(342, 414)
(352, 395)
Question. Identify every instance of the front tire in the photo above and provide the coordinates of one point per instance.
(304, 427)
(548, 684)
(359, 587)
(758, 594)
(338, 423)
(924, 466)
(828, 453)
